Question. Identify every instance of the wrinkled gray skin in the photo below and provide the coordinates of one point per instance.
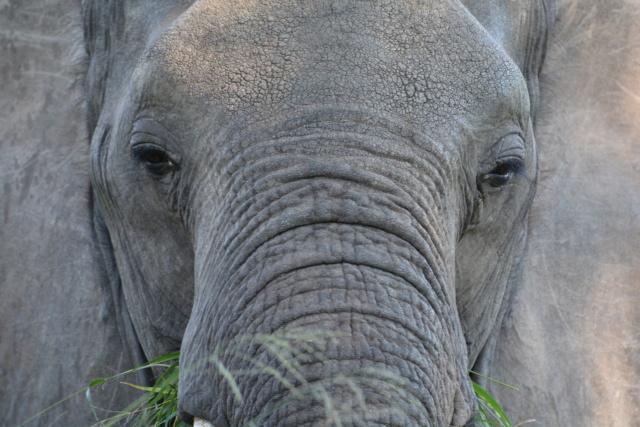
(357, 167)
(366, 168)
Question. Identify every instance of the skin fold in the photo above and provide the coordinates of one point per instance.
(333, 201)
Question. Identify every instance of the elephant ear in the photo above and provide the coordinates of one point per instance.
(57, 327)
(571, 340)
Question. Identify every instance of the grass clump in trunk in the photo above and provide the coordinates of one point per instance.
(159, 405)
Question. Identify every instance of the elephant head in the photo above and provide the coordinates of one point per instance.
(361, 167)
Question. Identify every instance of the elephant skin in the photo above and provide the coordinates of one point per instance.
(364, 168)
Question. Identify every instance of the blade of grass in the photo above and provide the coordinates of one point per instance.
(495, 381)
(482, 394)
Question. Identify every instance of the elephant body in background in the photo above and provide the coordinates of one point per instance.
(365, 168)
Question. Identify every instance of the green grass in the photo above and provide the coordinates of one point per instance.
(158, 406)
(490, 411)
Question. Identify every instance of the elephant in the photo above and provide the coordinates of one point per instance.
(443, 187)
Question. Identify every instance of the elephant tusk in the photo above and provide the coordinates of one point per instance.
(198, 422)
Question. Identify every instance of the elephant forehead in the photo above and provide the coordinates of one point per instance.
(427, 62)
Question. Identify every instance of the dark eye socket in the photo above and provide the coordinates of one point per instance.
(154, 158)
(503, 172)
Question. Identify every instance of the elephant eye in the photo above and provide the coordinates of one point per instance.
(153, 158)
(503, 172)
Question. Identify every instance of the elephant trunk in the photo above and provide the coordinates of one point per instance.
(328, 298)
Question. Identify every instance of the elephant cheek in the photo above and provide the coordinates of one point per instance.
(327, 321)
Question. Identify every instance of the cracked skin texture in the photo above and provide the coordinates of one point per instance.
(261, 57)
(570, 311)
(278, 94)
